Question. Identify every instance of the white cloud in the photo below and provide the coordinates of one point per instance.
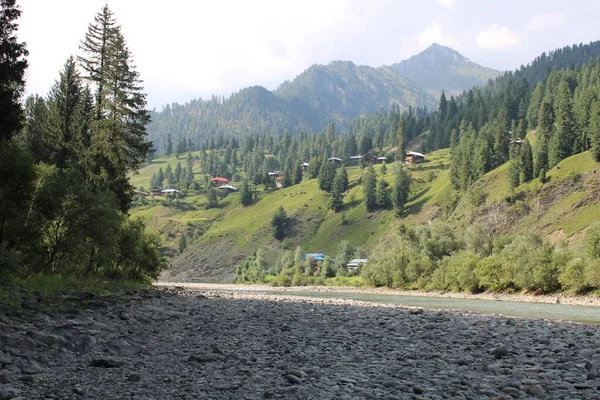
(546, 21)
(447, 3)
(436, 33)
(496, 37)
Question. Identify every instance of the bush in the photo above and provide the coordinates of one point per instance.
(573, 276)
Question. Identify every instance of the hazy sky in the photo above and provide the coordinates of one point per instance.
(185, 49)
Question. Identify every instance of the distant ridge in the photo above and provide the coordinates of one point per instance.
(440, 68)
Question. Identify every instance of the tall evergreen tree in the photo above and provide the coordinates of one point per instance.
(369, 188)
(382, 197)
(279, 223)
(401, 134)
(245, 193)
(526, 156)
(340, 183)
(118, 140)
(594, 129)
(561, 143)
(13, 64)
(401, 188)
(68, 118)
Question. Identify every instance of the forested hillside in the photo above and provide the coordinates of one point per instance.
(334, 93)
(506, 180)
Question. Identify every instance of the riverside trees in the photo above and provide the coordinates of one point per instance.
(66, 196)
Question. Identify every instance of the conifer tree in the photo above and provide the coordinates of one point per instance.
(401, 134)
(382, 197)
(245, 193)
(13, 64)
(279, 223)
(336, 199)
(326, 176)
(561, 144)
(594, 129)
(369, 187)
(401, 188)
(297, 174)
(526, 157)
(118, 142)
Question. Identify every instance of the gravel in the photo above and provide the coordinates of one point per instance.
(232, 345)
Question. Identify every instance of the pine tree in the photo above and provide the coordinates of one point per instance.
(12, 71)
(561, 143)
(118, 142)
(245, 193)
(178, 172)
(297, 174)
(401, 189)
(594, 129)
(514, 173)
(401, 134)
(336, 199)
(382, 197)
(369, 187)
(526, 157)
(169, 145)
(212, 199)
(279, 223)
(326, 176)
(160, 178)
(443, 108)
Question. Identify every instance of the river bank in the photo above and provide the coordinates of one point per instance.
(227, 344)
(527, 297)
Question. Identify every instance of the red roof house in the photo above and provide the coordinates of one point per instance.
(219, 180)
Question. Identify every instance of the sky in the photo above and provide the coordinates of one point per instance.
(189, 49)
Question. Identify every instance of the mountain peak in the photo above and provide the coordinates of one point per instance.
(440, 68)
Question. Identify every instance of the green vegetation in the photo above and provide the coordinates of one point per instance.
(64, 161)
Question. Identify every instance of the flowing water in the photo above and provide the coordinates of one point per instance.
(555, 312)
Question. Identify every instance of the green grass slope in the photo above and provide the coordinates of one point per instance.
(220, 238)
(561, 208)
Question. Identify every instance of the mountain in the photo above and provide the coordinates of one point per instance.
(343, 90)
(441, 68)
(337, 92)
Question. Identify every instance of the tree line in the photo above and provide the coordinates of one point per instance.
(65, 160)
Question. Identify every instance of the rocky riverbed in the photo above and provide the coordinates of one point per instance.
(176, 344)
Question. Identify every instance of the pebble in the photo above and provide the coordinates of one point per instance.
(224, 345)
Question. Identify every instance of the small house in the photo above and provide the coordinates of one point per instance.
(304, 167)
(170, 191)
(156, 192)
(228, 188)
(380, 160)
(412, 157)
(356, 159)
(334, 160)
(357, 262)
(370, 158)
(275, 174)
(219, 181)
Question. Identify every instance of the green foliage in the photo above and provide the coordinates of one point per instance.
(13, 64)
(382, 196)
(369, 187)
(245, 193)
(212, 200)
(592, 241)
(182, 243)
(401, 189)
(326, 176)
(253, 269)
(279, 223)
(118, 142)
